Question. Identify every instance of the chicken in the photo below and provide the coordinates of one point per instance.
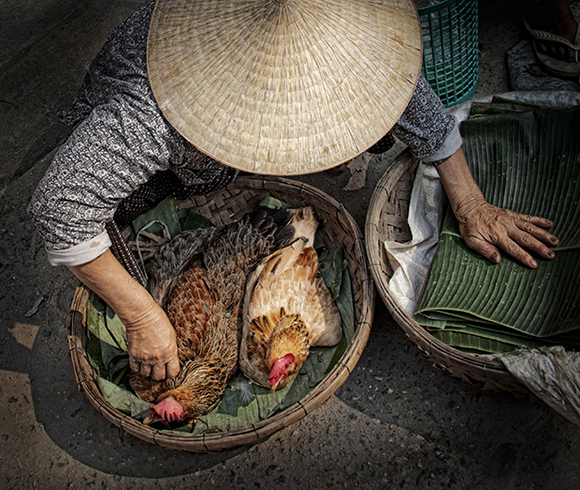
(173, 259)
(199, 279)
(207, 346)
(287, 310)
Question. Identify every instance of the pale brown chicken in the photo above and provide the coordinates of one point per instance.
(287, 310)
(199, 279)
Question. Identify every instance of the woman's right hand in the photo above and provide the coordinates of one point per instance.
(151, 345)
(150, 336)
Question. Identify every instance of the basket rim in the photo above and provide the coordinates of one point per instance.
(485, 373)
(87, 380)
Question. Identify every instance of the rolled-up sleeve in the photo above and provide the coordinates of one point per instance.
(81, 253)
(121, 140)
(425, 126)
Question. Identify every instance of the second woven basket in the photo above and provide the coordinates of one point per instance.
(387, 220)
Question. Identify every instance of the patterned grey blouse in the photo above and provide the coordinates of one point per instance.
(122, 140)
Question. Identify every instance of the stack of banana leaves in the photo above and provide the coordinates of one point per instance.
(527, 159)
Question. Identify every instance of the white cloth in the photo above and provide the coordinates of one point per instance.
(411, 260)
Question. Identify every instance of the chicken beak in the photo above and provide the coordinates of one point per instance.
(148, 421)
(275, 386)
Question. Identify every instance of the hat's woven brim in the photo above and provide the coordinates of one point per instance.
(283, 87)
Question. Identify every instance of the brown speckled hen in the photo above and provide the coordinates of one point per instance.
(287, 309)
(199, 279)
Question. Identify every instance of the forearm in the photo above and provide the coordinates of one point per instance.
(150, 336)
(108, 278)
(463, 192)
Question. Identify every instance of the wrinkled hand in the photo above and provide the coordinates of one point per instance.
(486, 229)
(151, 345)
(150, 335)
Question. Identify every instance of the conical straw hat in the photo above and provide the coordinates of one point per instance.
(283, 87)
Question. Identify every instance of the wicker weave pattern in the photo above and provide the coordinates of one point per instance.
(283, 87)
(387, 220)
(339, 230)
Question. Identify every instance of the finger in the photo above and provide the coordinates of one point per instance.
(540, 234)
(134, 364)
(172, 368)
(158, 373)
(485, 249)
(535, 220)
(517, 252)
(529, 241)
(145, 370)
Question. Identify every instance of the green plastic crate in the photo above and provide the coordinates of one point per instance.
(450, 48)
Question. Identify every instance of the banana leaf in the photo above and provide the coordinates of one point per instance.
(115, 329)
(95, 310)
(481, 345)
(429, 323)
(123, 400)
(446, 317)
(495, 335)
(273, 203)
(231, 413)
(525, 159)
(191, 220)
(153, 221)
(345, 304)
(331, 265)
(540, 302)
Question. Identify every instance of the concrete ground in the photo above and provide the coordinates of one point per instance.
(397, 422)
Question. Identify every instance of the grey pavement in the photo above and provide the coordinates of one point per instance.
(397, 421)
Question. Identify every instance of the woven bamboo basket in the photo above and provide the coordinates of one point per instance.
(387, 220)
(338, 230)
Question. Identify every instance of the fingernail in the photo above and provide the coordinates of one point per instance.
(553, 239)
(533, 264)
(496, 258)
(550, 254)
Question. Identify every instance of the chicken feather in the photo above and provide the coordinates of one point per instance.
(199, 278)
(287, 309)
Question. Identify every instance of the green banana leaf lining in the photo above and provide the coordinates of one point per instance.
(526, 159)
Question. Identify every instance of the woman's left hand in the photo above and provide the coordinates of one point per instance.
(487, 228)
